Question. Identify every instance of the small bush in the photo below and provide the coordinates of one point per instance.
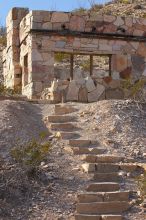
(96, 7)
(124, 1)
(134, 88)
(3, 40)
(9, 91)
(31, 155)
(80, 10)
(60, 57)
(86, 65)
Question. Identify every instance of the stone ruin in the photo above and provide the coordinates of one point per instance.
(34, 37)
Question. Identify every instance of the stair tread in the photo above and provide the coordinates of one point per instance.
(97, 217)
(111, 207)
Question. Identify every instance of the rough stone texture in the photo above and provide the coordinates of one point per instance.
(96, 94)
(83, 95)
(29, 58)
(73, 91)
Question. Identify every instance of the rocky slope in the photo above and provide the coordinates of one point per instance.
(134, 8)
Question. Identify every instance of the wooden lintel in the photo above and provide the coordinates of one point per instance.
(91, 65)
(110, 36)
(71, 65)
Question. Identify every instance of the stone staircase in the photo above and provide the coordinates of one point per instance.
(103, 199)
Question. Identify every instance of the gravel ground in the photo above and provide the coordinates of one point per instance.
(119, 126)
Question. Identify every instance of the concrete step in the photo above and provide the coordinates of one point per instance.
(100, 167)
(103, 208)
(64, 109)
(88, 150)
(102, 159)
(97, 217)
(67, 135)
(62, 127)
(83, 143)
(60, 118)
(88, 197)
(103, 187)
(107, 177)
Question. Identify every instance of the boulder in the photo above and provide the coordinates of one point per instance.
(73, 91)
(90, 84)
(114, 94)
(95, 95)
(83, 95)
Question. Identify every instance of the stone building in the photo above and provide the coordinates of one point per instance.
(33, 38)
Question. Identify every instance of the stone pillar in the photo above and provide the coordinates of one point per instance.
(42, 61)
(13, 47)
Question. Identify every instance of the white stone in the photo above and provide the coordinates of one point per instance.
(115, 75)
(105, 47)
(54, 86)
(109, 18)
(60, 17)
(77, 75)
(90, 84)
(138, 32)
(119, 21)
(73, 91)
(95, 95)
(47, 25)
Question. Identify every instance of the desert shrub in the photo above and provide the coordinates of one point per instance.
(60, 57)
(144, 15)
(135, 89)
(96, 7)
(86, 65)
(3, 40)
(124, 1)
(80, 10)
(31, 155)
(9, 91)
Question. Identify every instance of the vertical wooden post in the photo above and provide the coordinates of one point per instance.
(110, 65)
(71, 65)
(91, 65)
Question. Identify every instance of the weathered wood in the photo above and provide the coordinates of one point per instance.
(71, 65)
(91, 65)
(112, 36)
(110, 65)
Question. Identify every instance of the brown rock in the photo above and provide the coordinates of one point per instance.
(77, 23)
(83, 95)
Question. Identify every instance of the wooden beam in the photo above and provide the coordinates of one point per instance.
(110, 65)
(71, 65)
(110, 36)
(91, 65)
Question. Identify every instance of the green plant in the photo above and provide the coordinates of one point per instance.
(31, 155)
(134, 88)
(80, 10)
(3, 40)
(9, 91)
(144, 15)
(60, 57)
(86, 65)
(124, 1)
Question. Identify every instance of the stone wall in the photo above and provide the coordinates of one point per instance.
(1, 66)
(35, 54)
(11, 56)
